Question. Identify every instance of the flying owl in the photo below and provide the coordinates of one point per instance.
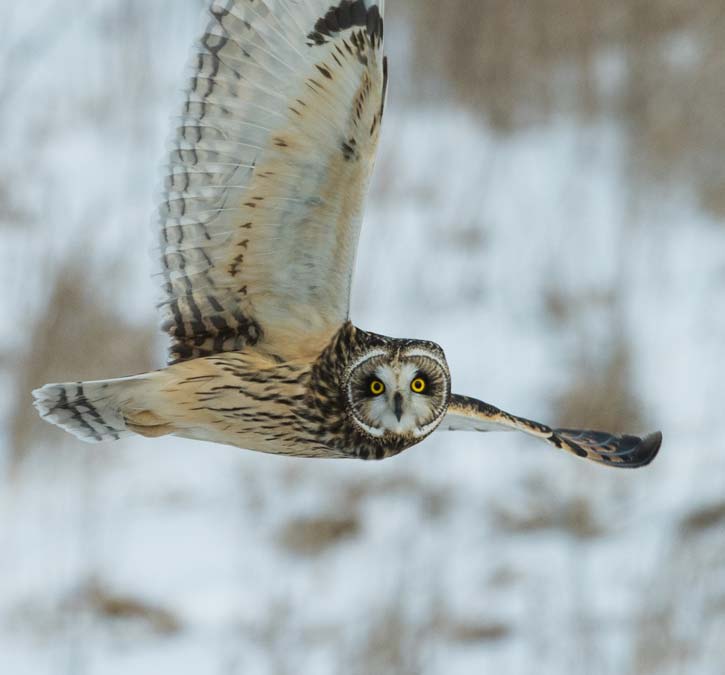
(266, 180)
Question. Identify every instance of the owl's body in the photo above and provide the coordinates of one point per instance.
(266, 180)
(250, 400)
(242, 399)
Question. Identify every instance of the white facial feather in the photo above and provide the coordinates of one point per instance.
(377, 414)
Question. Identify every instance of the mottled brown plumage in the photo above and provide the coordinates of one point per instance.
(252, 401)
(266, 179)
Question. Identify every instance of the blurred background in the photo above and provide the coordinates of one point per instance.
(548, 205)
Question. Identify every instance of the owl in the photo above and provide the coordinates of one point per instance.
(267, 174)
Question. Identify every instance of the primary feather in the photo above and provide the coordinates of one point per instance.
(625, 451)
(267, 175)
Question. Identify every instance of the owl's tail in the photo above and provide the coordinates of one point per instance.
(91, 411)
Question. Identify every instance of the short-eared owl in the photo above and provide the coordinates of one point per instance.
(266, 180)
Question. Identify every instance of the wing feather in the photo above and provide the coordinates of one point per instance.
(470, 414)
(267, 173)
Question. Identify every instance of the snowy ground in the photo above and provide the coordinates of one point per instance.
(523, 258)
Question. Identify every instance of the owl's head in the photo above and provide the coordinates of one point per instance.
(399, 389)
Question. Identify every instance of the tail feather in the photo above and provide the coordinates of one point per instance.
(91, 411)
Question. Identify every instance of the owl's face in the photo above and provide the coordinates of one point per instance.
(401, 391)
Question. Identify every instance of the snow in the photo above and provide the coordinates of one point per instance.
(549, 564)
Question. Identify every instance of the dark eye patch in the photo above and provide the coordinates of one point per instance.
(363, 386)
(419, 384)
(429, 371)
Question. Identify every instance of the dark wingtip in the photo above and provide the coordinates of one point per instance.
(647, 450)
(622, 452)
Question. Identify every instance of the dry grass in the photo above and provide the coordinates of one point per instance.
(107, 605)
(76, 336)
(104, 607)
(480, 632)
(433, 501)
(313, 536)
(563, 307)
(396, 642)
(505, 58)
(703, 519)
(574, 517)
(12, 213)
(682, 618)
(392, 645)
(600, 394)
(520, 63)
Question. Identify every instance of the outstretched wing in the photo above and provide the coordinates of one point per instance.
(470, 414)
(267, 174)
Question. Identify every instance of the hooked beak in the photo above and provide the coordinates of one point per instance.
(398, 405)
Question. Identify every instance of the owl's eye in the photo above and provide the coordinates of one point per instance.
(419, 385)
(376, 387)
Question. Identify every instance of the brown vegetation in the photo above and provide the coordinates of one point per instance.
(76, 335)
(574, 517)
(656, 66)
(108, 605)
(312, 536)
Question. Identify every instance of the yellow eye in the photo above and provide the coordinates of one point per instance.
(418, 385)
(377, 387)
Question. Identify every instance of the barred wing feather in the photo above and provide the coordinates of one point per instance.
(267, 175)
(470, 414)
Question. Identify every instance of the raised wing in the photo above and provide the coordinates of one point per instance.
(627, 452)
(267, 175)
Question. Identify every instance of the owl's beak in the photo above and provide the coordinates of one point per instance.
(398, 405)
